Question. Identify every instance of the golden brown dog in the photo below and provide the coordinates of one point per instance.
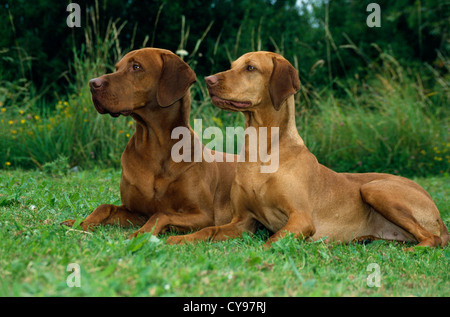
(304, 197)
(152, 86)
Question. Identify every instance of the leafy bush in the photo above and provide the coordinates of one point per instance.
(386, 114)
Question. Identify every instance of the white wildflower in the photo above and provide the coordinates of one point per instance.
(182, 52)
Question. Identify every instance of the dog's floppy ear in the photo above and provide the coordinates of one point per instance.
(176, 78)
(283, 82)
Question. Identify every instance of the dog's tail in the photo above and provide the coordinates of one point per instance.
(444, 234)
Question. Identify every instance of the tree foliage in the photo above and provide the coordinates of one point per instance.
(36, 43)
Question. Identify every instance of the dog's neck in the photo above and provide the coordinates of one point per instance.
(283, 119)
(154, 125)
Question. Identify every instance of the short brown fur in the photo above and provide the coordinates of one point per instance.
(152, 85)
(304, 197)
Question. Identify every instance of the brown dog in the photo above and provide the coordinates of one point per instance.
(304, 197)
(152, 86)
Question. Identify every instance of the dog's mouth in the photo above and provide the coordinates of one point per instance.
(100, 109)
(220, 102)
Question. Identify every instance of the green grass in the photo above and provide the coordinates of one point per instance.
(35, 251)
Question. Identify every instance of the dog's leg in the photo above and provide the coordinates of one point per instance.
(161, 222)
(109, 215)
(408, 206)
(218, 233)
(299, 223)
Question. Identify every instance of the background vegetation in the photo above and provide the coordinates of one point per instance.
(372, 99)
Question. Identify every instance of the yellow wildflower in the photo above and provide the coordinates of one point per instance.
(8, 163)
(22, 121)
(128, 135)
(11, 122)
(36, 117)
(218, 121)
(21, 111)
(3, 109)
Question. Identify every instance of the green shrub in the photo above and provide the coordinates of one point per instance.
(391, 118)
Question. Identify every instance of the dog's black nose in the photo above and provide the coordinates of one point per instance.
(95, 83)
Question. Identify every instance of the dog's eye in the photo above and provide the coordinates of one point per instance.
(250, 68)
(136, 66)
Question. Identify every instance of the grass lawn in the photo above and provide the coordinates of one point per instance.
(36, 251)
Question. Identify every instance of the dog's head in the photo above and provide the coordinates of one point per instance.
(145, 77)
(253, 79)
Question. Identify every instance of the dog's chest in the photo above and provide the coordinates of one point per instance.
(146, 192)
(250, 181)
(255, 193)
(252, 190)
(256, 197)
(161, 186)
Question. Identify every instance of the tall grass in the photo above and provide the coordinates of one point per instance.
(34, 134)
(386, 123)
(392, 119)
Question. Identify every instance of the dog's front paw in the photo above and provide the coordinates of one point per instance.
(176, 240)
(83, 225)
(135, 234)
(68, 222)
